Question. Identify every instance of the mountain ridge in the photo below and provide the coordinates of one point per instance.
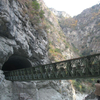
(83, 30)
(60, 13)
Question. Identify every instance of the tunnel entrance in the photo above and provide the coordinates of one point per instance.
(16, 62)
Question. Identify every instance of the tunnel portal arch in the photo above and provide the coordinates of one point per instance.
(16, 62)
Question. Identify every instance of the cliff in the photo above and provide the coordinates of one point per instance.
(83, 30)
(60, 13)
(26, 32)
(83, 33)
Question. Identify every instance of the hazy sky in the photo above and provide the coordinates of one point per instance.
(72, 7)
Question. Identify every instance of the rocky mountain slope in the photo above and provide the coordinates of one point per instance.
(28, 29)
(83, 33)
(83, 30)
(58, 47)
(60, 13)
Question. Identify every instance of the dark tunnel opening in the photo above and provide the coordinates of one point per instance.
(16, 62)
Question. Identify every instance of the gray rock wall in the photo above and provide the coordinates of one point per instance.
(18, 36)
(85, 36)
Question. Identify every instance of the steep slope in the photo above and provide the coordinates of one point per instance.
(60, 13)
(24, 31)
(83, 33)
(83, 30)
(59, 47)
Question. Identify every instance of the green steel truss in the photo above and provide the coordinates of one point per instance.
(83, 67)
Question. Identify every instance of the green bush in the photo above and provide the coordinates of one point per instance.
(66, 46)
(57, 50)
(41, 13)
(35, 5)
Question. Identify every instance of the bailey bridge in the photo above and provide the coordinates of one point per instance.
(83, 67)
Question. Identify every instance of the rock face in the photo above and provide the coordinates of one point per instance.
(83, 33)
(83, 30)
(18, 36)
(59, 47)
(60, 13)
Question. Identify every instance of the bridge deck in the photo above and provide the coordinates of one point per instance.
(83, 67)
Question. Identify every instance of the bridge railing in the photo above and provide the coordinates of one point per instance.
(83, 67)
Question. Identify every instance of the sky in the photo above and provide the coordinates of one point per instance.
(72, 7)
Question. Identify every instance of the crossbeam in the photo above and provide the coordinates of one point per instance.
(82, 67)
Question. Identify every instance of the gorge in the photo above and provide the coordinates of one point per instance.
(38, 35)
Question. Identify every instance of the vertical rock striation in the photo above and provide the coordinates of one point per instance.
(18, 36)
